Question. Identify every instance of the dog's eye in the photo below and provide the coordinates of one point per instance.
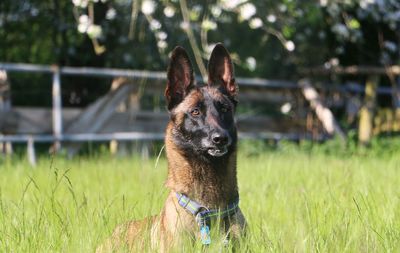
(224, 109)
(195, 112)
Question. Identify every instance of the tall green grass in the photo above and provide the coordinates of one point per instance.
(294, 201)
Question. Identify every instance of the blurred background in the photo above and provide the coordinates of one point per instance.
(347, 50)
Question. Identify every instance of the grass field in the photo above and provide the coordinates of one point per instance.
(294, 201)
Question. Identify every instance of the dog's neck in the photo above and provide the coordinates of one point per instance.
(211, 183)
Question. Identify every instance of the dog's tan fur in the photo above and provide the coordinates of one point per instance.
(211, 186)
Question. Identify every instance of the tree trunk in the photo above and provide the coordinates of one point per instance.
(323, 113)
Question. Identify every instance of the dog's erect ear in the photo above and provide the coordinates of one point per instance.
(220, 70)
(180, 77)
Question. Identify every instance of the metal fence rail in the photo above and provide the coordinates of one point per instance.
(130, 136)
(110, 72)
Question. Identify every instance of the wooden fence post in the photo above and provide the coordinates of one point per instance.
(5, 107)
(365, 126)
(31, 152)
(57, 108)
(396, 105)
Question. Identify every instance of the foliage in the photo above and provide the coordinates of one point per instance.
(368, 30)
(271, 39)
(139, 34)
(333, 28)
(293, 201)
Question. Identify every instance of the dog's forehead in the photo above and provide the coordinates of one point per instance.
(205, 94)
(212, 94)
(190, 101)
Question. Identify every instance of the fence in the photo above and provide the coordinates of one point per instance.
(58, 136)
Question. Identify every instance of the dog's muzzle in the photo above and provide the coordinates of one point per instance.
(217, 152)
(220, 142)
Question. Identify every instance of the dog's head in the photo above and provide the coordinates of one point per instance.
(202, 116)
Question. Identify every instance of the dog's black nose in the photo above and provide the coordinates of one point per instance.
(219, 138)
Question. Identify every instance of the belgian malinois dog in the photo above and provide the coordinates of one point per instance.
(201, 143)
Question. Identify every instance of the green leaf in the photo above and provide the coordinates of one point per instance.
(354, 24)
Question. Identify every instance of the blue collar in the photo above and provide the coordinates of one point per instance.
(203, 214)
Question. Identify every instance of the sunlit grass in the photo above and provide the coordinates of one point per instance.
(293, 201)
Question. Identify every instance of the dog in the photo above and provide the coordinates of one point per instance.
(201, 147)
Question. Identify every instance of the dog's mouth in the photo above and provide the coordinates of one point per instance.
(217, 152)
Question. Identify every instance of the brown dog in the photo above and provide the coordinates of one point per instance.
(201, 141)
